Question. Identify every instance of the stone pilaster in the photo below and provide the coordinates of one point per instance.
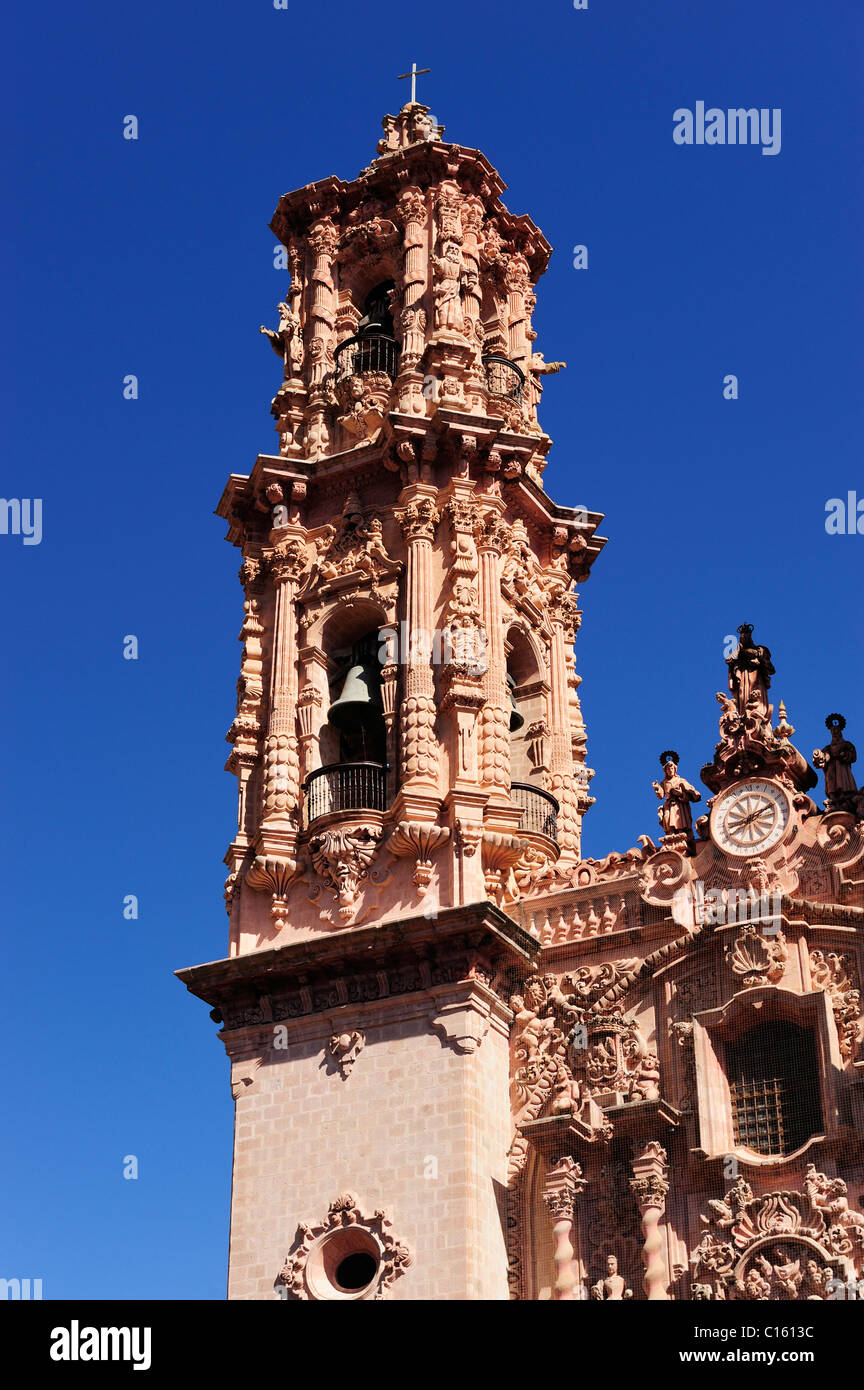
(420, 751)
(281, 791)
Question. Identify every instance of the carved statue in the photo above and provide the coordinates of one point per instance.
(566, 1093)
(750, 673)
(612, 1289)
(287, 340)
(836, 758)
(448, 303)
(676, 794)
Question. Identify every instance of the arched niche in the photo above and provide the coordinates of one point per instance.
(529, 689)
(352, 635)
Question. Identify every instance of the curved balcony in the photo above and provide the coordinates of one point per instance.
(503, 377)
(344, 787)
(539, 810)
(367, 352)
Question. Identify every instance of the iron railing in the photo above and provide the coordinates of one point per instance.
(539, 810)
(503, 377)
(344, 787)
(367, 352)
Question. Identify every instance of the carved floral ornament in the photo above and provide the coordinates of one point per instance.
(345, 1257)
(779, 1246)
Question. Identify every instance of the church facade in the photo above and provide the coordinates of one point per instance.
(468, 1062)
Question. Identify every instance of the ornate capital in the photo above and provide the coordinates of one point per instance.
(419, 520)
(563, 1184)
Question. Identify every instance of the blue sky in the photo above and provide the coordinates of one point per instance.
(154, 257)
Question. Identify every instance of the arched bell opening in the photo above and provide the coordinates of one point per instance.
(527, 694)
(353, 739)
(355, 730)
(373, 348)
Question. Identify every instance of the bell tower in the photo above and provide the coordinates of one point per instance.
(408, 744)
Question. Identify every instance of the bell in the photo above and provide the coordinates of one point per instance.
(516, 718)
(360, 701)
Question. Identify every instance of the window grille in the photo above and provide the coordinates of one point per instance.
(774, 1086)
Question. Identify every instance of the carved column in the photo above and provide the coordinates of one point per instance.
(565, 618)
(494, 719)
(414, 216)
(282, 763)
(323, 241)
(516, 278)
(649, 1187)
(419, 743)
(563, 1184)
(472, 221)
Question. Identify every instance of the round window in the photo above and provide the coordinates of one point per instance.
(343, 1264)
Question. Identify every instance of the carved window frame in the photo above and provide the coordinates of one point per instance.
(713, 1028)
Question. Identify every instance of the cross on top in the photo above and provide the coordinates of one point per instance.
(413, 74)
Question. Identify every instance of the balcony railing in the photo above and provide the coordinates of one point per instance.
(368, 352)
(344, 787)
(539, 810)
(503, 377)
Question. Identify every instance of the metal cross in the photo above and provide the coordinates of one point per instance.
(413, 74)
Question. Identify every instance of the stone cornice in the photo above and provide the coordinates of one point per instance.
(478, 941)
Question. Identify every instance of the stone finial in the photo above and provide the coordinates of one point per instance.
(412, 126)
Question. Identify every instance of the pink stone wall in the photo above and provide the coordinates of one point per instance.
(303, 1137)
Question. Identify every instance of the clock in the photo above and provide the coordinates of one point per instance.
(750, 818)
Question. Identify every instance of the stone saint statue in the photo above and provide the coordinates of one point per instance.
(750, 673)
(676, 794)
(612, 1289)
(837, 758)
(286, 340)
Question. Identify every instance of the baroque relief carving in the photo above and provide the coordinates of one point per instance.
(780, 1246)
(419, 839)
(341, 856)
(757, 959)
(836, 972)
(345, 1048)
(273, 874)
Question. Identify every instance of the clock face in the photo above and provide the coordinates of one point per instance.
(750, 818)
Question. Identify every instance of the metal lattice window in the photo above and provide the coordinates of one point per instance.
(774, 1086)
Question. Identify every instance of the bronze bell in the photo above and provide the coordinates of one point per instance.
(360, 701)
(517, 719)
